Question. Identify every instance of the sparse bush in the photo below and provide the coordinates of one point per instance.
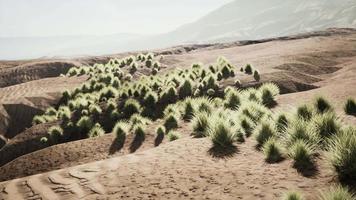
(232, 100)
(210, 92)
(247, 125)
(322, 105)
(150, 100)
(239, 135)
(264, 131)
(121, 129)
(128, 77)
(281, 122)
(342, 153)
(173, 135)
(237, 83)
(221, 133)
(96, 131)
(350, 106)
(225, 71)
(66, 96)
(292, 196)
(273, 150)
(169, 95)
(108, 92)
(325, 124)
(51, 112)
(55, 132)
(189, 110)
(171, 122)
(301, 152)
(161, 130)
(299, 130)
(72, 71)
(44, 140)
(139, 131)
(64, 113)
(256, 75)
(267, 97)
(84, 124)
(248, 69)
(95, 109)
(305, 112)
(131, 107)
(186, 89)
(154, 71)
(138, 119)
(201, 124)
(133, 68)
(38, 119)
(337, 193)
(148, 63)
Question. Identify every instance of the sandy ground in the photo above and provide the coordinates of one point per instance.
(188, 168)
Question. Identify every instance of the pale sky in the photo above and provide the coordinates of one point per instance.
(99, 17)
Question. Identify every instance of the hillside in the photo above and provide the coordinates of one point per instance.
(35, 163)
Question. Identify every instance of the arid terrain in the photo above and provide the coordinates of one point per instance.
(303, 66)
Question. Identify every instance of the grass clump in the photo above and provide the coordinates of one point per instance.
(337, 193)
(325, 125)
(171, 122)
(201, 124)
(139, 131)
(292, 196)
(273, 150)
(96, 131)
(322, 105)
(161, 130)
(302, 153)
(173, 135)
(350, 106)
(121, 129)
(305, 112)
(248, 69)
(221, 133)
(256, 75)
(342, 153)
(232, 100)
(264, 131)
(189, 110)
(281, 122)
(186, 89)
(131, 107)
(55, 132)
(84, 124)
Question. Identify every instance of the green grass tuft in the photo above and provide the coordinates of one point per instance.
(342, 153)
(273, 150)
(173, 135)
(96, 131)
(350, 106)
(292, 196)
(221, 133)
(337, 193)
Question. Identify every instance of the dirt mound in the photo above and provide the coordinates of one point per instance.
(79, 152)
(33, 71)
(26, 142)
(183, 169)
(19, 103)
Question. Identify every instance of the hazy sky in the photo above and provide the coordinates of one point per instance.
(98, 17)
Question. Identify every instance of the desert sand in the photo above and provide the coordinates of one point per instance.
(302, 66)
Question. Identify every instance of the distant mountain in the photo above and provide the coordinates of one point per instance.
(246, 20)
(238, 20)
